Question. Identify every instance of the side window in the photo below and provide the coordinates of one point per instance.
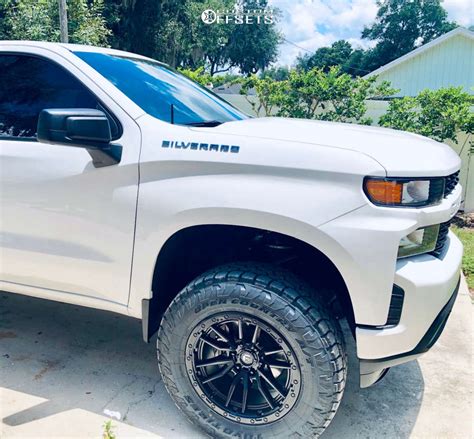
(29, 84)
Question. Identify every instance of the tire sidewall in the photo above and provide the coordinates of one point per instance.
(202, 301)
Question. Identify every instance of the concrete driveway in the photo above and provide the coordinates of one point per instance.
(62, 366)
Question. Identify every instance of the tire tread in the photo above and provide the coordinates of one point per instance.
(326, 335)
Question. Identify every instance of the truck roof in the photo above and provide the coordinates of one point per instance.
(55, 47)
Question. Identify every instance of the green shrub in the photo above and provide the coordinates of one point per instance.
(316, 94)
(200, 76)
(440, 114)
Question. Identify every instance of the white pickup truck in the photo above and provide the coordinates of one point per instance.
(244, 242)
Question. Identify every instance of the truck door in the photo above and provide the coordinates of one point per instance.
(66, 226)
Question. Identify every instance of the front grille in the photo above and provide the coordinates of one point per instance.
(450, 183)
(442, 237)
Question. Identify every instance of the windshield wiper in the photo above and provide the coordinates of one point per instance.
(204, 123)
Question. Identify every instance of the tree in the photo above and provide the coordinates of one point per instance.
(252, 47)
(325, 57)
(39, 20)
(340, 53)
(316, 94)
(440, 114)
(355, 64)
(279, 73)
(221, 46)
(400, 26)
(149, 27)
(173, 32)
(270, 94)
(332, 96)
(200, 76)
(4, 4)
(208, 43)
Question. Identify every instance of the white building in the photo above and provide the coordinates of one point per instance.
(446, 61)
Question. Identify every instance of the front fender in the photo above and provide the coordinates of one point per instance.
(167, 206)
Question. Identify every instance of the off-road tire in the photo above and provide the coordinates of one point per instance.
(285, 303)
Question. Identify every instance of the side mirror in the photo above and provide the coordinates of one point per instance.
(80, 127)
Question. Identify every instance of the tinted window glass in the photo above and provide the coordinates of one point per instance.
(30, 84)
(155, 87)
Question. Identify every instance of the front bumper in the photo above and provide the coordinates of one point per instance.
(428, 283)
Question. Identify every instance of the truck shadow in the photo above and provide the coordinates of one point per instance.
(387, 409)
(80, 358)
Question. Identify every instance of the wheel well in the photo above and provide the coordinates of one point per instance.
(194, 250)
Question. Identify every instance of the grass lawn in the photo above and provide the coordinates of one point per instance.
(466, 235)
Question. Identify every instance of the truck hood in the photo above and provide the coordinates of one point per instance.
(402, 154)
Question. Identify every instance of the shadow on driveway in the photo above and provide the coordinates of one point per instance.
(94, 360)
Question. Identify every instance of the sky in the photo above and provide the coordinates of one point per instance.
(310, 24)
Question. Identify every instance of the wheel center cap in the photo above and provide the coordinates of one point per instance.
(247, 358)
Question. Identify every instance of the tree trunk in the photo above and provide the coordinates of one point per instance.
(63, 21)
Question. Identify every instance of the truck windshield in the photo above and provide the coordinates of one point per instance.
(161, 91)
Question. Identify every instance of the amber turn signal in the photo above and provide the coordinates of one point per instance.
(384, 192)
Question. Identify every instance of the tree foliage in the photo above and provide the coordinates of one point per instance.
(173, 32)
(208, 43)
(170, 31)
(279, 73)
(198, 75)
(204, 78)
(221, 46)
(439, 114)
(39, 20)
(252, 47)
(316, 94)
(324, 58)
(269, 93)
(400, 26)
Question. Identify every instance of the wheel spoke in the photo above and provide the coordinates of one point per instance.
(270, 379)
(220, 334)
(232, 387)
(245, 391)
(255, 334)
(221, 359)
(276, 351)
(265, 393)
(215, 343)
(279, 365)
(219, 374)
(233, 333)
(241, 330)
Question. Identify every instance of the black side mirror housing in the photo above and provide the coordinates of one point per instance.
(80, 127)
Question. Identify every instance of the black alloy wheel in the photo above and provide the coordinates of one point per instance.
(245, 370)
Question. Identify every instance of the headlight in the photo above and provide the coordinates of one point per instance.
(420, 241)
(404, 192)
